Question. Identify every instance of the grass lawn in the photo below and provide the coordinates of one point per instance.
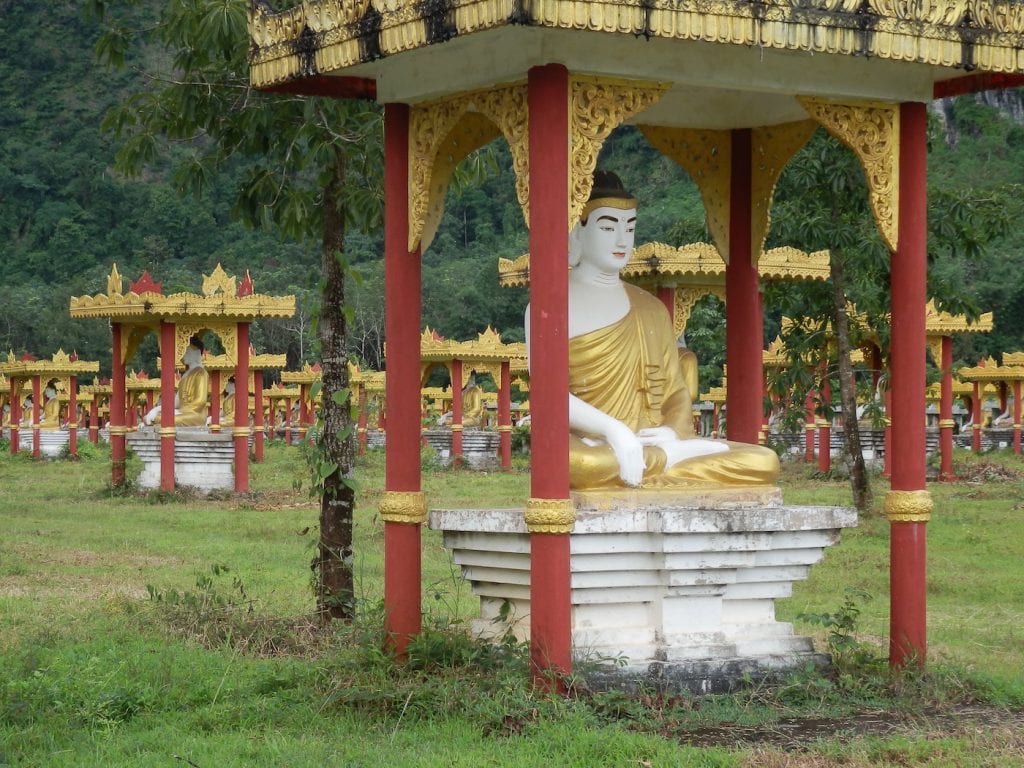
(155, 631)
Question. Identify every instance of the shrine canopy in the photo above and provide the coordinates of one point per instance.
(988, 371)
(689, 272)
(485, 354)
(939, 325)
(60, 366)
(223, 303)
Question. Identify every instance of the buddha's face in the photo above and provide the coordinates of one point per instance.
(606, 240)
(192, 357)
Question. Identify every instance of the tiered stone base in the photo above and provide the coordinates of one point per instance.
(52, 442)
(202, 460)
(682, 588)
(479, 447)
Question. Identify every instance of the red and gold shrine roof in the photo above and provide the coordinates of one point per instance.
(221, 300)
(61, 364)
(309, 374)
(938, 323)
(989, 371)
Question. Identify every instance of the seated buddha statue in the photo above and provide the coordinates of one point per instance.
(193, 389)
(472, 403)
(50, 416)
(227, 406)
(630, 410)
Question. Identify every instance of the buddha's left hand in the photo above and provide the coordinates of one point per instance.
(657, 436)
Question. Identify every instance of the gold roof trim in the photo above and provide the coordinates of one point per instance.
(261, 362)
(307, 375)
(487, 348)
(324, 36)
(60, 364)
(940, 323)
(988, 370)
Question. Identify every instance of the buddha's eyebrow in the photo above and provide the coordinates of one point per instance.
(615, 219)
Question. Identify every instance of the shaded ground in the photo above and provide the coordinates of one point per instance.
(798, 733)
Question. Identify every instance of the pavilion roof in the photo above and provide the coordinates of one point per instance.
(144, 303)
(140, 382)
(715, 395)
(960, 388)
(309, 374)
(61, 364)
(696, 263)
(319, 37)
(938, 323)
(262, 362)
(486, 348)
(989, 371)
(96, 388)
(278, 392)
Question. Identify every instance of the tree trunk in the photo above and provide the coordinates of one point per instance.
(335, 592)
(848, 389)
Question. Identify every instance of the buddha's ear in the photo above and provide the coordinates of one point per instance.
(575, 245)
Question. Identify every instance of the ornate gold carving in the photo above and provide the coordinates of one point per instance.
(550, 515)
(934, 344)
(219, 282)
(115, 285)
(686, 299)
(408, 507)
(226, 332)
(908, 506)
(442, 133)
(772, 148)
(872, 131)
(597, 106)
(707, 156)
(945, 324)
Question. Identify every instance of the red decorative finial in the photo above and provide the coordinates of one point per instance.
(26, 358)
(245, 288)
(146, 284)
(74, 356)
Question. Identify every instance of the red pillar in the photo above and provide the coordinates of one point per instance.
(15, 414)
(716, 411)
(73, 416)
(361, 421)
(825, 429)
(1003, 397)
(215, 388)
(946, 412)
(1016, 417)
(304, 408)
(667, 295)
(456, 413)
(550, 595)
(241, 430)
(505, 416)
(115, 410)
(167, 429)
(976, 418)
(257, 415)
(908, 504)
(743, 324)
(35, 415)
(288, 421)
(402, 330)
(809, 427)
(94, 420)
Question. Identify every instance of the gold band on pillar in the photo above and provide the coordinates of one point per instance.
(1016, 426)
(118, 430)
(167, 431)
(241, 431)
(504, 428)
(360, 429)
(408, 507)
(946, 423)
(550, 515)
(908, 506)
(886, 422)
(809, 425)
(456, 427)
(821, 423)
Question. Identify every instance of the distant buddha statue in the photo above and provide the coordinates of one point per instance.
(472, 403)
(227, 407)
(630, 410)
(50, 416)
(193, 389)
(1004, 419)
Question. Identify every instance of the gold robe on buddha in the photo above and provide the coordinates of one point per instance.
(472, 407)
(49, 419)
(630, 370)
(193, 390)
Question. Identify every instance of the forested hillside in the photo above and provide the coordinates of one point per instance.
(66, 215)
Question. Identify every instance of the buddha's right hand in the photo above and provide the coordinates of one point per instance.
(629, 452)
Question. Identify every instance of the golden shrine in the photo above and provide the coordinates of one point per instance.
(99, 393)
(279, 399)
(225, 307)
(487, 354)
(1000, 378)
(52, 426)
(222, 368)
(729, 90)
(305, 378)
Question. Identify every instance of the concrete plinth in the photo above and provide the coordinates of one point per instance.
(479, 447)
(682, 588)
(52, 442)
(203, 460)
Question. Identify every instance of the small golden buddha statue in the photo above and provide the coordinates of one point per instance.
(227, 406)
(630, 410)
(193, 390)
(472, 403)
(49, 419)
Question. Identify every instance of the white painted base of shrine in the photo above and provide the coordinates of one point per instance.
(52, 442)
(479, 447)
(682, 588)
(203, 461)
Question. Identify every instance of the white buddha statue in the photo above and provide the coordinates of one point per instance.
(630, 411)
(190, 405)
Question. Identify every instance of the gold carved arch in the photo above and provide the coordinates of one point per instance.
(686, 299)
(707, 156)
(872, 131)
(443, 133)
(226, 332)
(132, 335)
(596, 107)
(935, 347)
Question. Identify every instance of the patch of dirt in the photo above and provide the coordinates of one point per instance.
(986, 472)
(797, 734)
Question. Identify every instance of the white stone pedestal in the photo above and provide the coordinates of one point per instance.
(479, 447)
(683, 588)
(203, 460)
(52, 442)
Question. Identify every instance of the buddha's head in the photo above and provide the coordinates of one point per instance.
(50, 392)
(229, 388)
(603, 237)
(193, 356)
